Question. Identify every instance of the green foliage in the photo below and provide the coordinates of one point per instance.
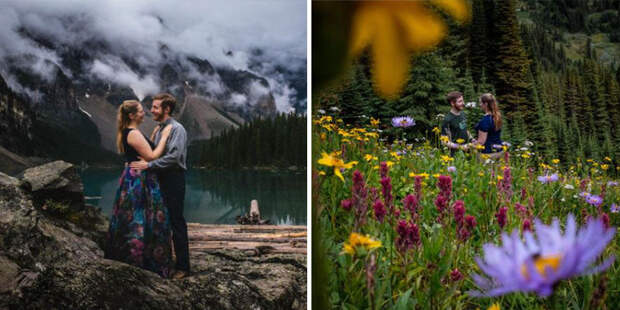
(279, 141)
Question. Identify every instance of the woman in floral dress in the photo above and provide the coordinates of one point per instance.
(139, 232)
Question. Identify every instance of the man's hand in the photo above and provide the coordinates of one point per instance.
(139, 165)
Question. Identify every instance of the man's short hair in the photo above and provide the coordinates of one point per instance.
(453, 96)
(167, 101)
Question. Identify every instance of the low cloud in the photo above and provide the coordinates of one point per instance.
(225, 32)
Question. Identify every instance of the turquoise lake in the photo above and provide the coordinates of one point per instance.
(217, 197)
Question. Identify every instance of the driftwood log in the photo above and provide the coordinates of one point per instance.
(252, 239)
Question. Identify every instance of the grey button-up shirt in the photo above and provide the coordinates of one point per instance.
(175, 152)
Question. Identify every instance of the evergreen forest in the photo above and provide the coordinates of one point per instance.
(552, 65)
(278, 141)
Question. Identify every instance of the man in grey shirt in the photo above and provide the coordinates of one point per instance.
(170, 169)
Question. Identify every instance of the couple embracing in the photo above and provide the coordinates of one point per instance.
(489, 128)
(148, 207)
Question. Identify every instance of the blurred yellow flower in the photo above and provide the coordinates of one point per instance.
(360, 241)
(393, 29)
(481, 173)
(494, 307)
(525, 155)
(436, 130)
(444, 139)
(389, 163)
(556, 161)
(372, 134)
(479, 147)
(332, 161)
(374, 121)
(321, 172)
(460, 141)
(605, 166)
(607, 158)
(436, 175)
(411, 174)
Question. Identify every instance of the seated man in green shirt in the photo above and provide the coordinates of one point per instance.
(454, 125)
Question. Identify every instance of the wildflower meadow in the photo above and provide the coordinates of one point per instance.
(405, 224)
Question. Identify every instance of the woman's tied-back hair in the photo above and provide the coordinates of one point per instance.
(167, 100)
(123, 120)
(489, 99)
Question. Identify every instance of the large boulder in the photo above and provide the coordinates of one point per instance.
(57, 181)
(50, 262)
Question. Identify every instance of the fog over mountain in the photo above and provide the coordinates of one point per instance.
(66, 66)
(134, 43)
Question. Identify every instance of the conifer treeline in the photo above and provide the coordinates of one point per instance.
(569, 108)
(278, 141)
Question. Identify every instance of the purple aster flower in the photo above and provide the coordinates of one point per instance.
(612, 183)
(403, 121)
(543, 259)
(584, 195)
(614, 208)
(451, 169)
(544, 179)
(594, 200)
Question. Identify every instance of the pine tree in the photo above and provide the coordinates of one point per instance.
(511, 67)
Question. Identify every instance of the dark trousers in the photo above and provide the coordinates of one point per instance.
(172, 185)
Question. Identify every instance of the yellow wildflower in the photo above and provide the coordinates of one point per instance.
(344, 133)
(479, 147)
(345, 140)
(481, 173)
(411, 174)
(424, 175)
(505, 148)
(595, 164)
(525, 155)
(605, 166)
(332, 161)
(494, 307)
(444, 139)
(446, 158)
(372, 134)
(393, 29)
(589, 160)
(321, 172)
(374, 122)
(436, 130)
(460, 141)
(389, 163)
(360, 241)
(436, 175)
(499, 177)
(607, 158)
(395, 155)
(555, 161)
(323, 136)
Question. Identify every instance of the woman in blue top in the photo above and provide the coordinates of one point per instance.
(489, 127)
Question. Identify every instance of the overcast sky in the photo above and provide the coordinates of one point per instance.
(206, 29)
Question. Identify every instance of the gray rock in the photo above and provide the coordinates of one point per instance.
(57, 181)
(50, 262)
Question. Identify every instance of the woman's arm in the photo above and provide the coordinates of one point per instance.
(139, 143)
(482, 137)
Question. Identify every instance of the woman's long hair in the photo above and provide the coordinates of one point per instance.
(489, 99)
(123, 120)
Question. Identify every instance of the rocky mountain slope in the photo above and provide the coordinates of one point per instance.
(67, 110)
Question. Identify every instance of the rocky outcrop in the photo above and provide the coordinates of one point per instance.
(51, 259)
